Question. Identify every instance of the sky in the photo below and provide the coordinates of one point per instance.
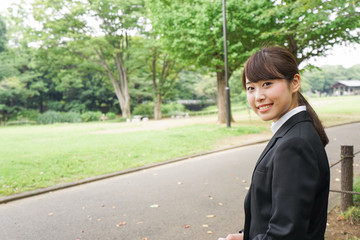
(338, 55)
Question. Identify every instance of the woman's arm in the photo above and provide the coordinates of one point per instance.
(294, 186)
(233, 237)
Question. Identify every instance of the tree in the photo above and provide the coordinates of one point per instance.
(3, 39)
(96, 30)
(321, 79)
(12, 97)
(310, 28)
(192, 31)
(163, 71)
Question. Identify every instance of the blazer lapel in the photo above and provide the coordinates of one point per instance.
(299, 117)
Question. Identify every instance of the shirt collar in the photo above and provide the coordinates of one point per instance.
(276, 125)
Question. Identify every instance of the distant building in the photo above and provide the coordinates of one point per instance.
(345, 87)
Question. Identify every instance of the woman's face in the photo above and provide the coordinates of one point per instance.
(271, 99)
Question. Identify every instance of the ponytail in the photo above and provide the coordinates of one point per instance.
(315, 119)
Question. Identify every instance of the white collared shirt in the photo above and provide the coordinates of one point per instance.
(276, 125)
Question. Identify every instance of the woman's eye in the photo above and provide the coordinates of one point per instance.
(250, 88)
(266, 84)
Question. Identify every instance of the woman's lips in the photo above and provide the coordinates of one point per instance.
(265, 107)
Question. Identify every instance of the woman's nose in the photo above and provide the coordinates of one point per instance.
(259, 95)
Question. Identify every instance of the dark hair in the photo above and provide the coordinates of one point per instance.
(278, 63)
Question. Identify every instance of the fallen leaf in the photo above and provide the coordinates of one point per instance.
(139, 222)
(244, 181)
(144, 239)
(209, 232)
(180, 183)
(99, 219)
(187, 226)
(340, 217)
(102, 205)
(337, 179)
(155, 206)
(210, 197)
(220, 204)
(247, 188)
(83, 207)
(121, 224)
(113, 207)
(51, 214)
(210, 216)
(205, 225)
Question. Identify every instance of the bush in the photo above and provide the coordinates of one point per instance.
(28, 114)
(56, 106)
(72, 117)
(352, 214)
(91, 116)
(357, 189)
(172, 109)
(50, 117)
(111, 115)
(145, 109)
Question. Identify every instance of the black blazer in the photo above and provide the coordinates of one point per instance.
(288, 195)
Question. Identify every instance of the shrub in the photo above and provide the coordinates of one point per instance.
(357, 189)
(172, 109)
(55, 106)
(28, 114)
(72, 117)
(352, 214)
(111, 115)
(91, 116)
(50, 117)
(145, 109)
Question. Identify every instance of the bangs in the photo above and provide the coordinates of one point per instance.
(260, 67)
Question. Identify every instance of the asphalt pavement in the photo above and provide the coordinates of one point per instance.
(198, 199)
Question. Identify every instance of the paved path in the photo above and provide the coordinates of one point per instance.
(200, 198)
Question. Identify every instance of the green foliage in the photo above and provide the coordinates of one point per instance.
(29, 114)
(111, 115)
(12, 97)
(193, 30)
(357, 189)
(173, 109)
(145, 109)
(3, 39)
(321, 79)
(352, 214)
(50, 117)
(91, 116)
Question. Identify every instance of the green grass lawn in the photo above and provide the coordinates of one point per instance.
(39, 156)
(44, 155)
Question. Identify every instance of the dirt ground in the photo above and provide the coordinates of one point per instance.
(339, 228)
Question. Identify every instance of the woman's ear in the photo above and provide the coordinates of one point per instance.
(296, 83)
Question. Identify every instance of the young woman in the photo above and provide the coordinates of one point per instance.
(288, 195)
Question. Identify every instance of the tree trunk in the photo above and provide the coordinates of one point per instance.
(157, 107)
(221, 97)
(120, 84)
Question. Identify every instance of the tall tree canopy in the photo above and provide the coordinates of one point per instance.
(310, 28)
(96, 30)
(193, 30)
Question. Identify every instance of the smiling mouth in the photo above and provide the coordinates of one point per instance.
(264, 108)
